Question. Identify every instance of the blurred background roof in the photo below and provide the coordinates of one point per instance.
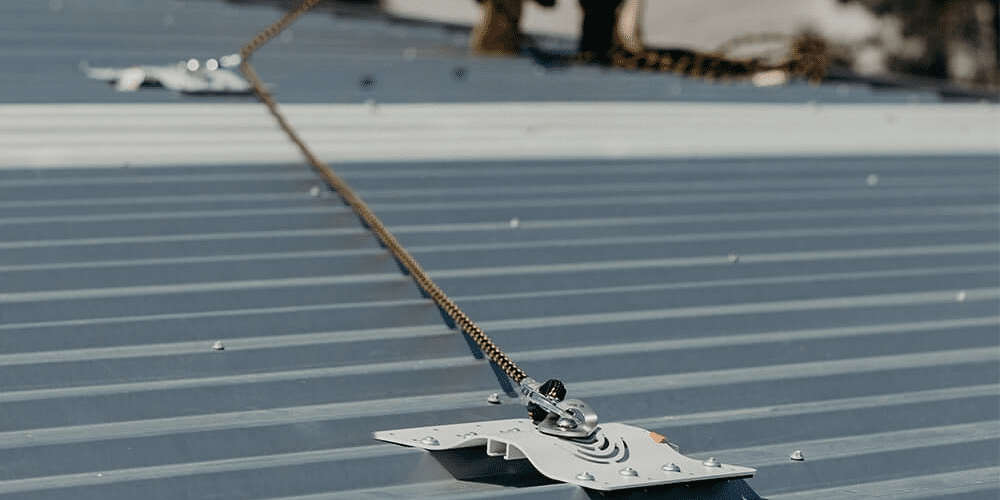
(748, 271)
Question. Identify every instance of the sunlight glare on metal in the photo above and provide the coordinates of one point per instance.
(130, 80)
(230, 61)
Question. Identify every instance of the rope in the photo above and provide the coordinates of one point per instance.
(807, 59)
(365, 213)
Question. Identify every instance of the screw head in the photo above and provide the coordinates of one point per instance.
(960, 296)
(712, 462)
(629, 472)
(218, 346)
(871, 180)
(671, 468)
(734, 256)
(314, 191)
(430, 441)
(493, 399)
(585, 476)
(797, 456)
(515, 223)
(367, 82)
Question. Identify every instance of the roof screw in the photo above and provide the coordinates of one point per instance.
(429, 441)
(797, 456)
(367, 82)
(628, 472)
(734, 256)
(410, 53)
(871, 180)
(712, 462)
(671, 468)
(217, 346)
(960, 297)
(585, 476)
(493, 399)
(314, 191)
(469, 435)
(515, 223)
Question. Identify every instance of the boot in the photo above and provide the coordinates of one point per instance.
(610, 27)
(498, 30)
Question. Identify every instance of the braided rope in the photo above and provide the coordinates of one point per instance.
(360, 207)
(807, 60)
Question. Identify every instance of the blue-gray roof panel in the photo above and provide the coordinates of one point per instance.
(845, 306)
(840, 318)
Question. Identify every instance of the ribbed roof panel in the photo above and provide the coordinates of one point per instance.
(745, 299)
(855, 322)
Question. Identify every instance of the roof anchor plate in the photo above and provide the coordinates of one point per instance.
(614, 457)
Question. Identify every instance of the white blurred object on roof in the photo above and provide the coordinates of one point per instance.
(187, 77)
(770, 78)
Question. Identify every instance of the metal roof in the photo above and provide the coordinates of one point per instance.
(324, 58)
(840, 299)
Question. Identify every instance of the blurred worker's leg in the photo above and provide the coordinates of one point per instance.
(610, 25)
(498, 30)
(628, 27)
(598, 26)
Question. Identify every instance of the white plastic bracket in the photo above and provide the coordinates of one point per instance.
(616, 456)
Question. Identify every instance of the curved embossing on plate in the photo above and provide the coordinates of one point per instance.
(598, 448)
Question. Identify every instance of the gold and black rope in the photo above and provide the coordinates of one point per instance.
(806, 59)
(367, 216)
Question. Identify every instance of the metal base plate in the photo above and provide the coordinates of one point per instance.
(616, 456)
